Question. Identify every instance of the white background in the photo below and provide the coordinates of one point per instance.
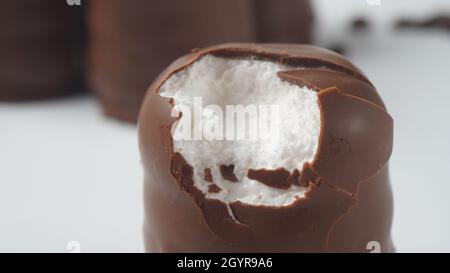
(69, 174)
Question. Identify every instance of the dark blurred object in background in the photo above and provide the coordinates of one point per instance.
(440, 21)
(285, 21)
(132, 41)
(360, 24)
(40, 49)
(338, 48)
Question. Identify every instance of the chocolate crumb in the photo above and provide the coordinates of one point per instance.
(282, 179)
(227, 172)
(208, 175)
(294, 177)
(214, 188)
(308, 176)
(273, 178)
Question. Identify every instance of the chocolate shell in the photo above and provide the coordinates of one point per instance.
(348, 203)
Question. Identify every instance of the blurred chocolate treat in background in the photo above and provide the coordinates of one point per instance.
(40, 49)
(360, 24)
(439, 21)
(285, 21)
(132, 41)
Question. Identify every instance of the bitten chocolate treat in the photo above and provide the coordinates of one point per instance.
(39, 49)
(317, 181)
(131, 42)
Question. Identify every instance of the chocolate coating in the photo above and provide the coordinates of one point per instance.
(348, 202)
(39, 49)
(130, 43)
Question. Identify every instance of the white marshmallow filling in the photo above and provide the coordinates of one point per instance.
(287, 118)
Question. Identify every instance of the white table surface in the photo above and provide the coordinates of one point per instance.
(69, 174)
